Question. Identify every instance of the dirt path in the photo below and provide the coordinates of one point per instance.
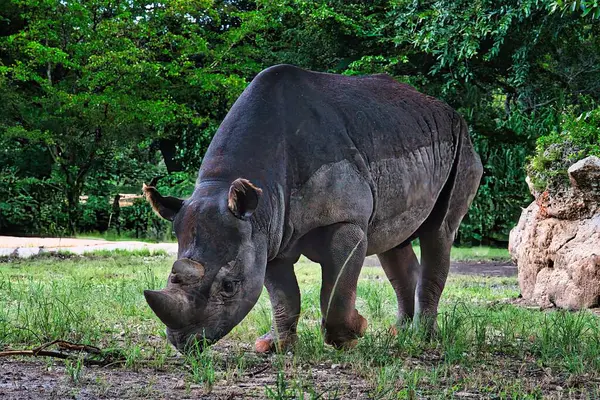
(484, 268)
(37, 379)
(21, 247)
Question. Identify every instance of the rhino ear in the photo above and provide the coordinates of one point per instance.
(166, 207)
(243, 198)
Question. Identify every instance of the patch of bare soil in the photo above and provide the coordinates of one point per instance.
(484, 268)
(39, 380)
(34, 379)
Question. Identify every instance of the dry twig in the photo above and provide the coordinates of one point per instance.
(69, 348)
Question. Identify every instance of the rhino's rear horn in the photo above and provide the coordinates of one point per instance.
(188, 271)
(168, 308)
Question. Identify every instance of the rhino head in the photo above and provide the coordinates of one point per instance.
(219, 273)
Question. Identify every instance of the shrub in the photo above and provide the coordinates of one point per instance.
(31, 205)
(94, 214)
(579, 137)
(140, 221)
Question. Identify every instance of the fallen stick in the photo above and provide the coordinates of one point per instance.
(259, 371)
(49, 353)
(78, 347)
(63, 344)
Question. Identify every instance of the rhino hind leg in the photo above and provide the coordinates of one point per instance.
(282, 286)
(437, 237)
(402, 267)
(435, 264)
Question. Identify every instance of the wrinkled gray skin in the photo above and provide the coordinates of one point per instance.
(332, 167)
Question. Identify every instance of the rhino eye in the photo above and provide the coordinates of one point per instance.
(229, 288)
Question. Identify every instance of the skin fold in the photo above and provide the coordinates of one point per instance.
(331, 167)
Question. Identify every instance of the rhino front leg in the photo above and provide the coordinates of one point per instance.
(402, 269)
(343, 248)
(282, 286)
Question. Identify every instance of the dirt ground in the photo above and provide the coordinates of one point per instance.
(44, 379)
(483, 268)
(23, 247)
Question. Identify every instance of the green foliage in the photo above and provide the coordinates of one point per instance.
(98, 97)
(578, 137)
(31, 205)
(511, 69)
(588, 8)
(95, 85)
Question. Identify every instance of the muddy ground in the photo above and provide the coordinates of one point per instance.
(483, 268)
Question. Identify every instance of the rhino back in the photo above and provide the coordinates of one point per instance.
(381, 141)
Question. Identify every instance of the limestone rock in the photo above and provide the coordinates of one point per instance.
(585, 175)
(556, 244)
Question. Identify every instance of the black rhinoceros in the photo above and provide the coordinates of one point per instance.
(331, 167)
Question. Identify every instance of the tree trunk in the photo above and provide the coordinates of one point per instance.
(168, 149)
(72, 206)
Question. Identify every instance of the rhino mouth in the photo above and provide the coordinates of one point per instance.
(189, 340)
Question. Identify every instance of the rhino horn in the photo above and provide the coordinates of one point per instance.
(169, 308)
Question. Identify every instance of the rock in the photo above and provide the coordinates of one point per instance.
(556, 243)
(579, 201)
(585, 175)
(180, 385)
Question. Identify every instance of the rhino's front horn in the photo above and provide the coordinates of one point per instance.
(169, 308)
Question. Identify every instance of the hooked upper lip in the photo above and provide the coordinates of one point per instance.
(188, 341)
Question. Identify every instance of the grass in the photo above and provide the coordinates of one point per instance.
(486, 346)
(480, 253)
(475, 254)
(112, 236)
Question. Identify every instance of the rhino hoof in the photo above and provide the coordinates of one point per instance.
(344, 337)
(267, 343)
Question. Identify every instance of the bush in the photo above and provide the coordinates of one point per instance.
(37, 206)
(95, 214)
(500, 196)
(138, 220)
(579, 137)
(31, 205)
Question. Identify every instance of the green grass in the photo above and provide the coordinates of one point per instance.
(114, 237)
(480, 253)
(474, 254)
(486, 346)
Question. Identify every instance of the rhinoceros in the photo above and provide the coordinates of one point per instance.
(331, 167)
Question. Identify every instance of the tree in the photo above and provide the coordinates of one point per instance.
(126, 91)
(85, 85)
(511, 68)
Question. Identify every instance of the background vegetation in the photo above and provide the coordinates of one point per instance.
(97, 96)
